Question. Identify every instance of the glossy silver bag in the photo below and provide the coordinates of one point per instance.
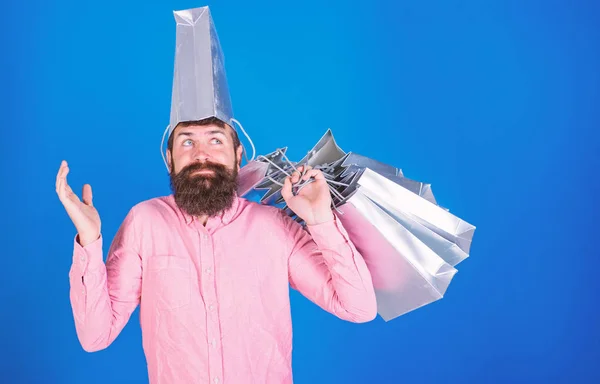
(406, 273)
(424, 218)
(200, 88)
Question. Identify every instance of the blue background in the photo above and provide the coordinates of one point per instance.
(495, 103)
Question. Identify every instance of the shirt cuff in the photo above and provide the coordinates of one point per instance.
(88, 258)
(330, 234)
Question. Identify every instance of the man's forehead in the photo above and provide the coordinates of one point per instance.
(200, 129)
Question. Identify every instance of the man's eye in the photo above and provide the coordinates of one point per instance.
(217, 141)
(187, 142)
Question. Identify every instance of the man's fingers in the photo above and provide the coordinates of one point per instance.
(58, 178)
(87, 195)
(61, 172)
(303, 169)
(300, 173)
(63, 190)
(63, 175)
(286, 190)
(313, 173)
(60, 188)
(295, 177)
(65, 193)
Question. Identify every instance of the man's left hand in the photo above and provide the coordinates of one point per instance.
(313, 203)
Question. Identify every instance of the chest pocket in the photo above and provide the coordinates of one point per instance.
(169, 277)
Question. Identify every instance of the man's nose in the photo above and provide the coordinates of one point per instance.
(201, 154)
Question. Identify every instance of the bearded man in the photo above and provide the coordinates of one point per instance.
(210, 270)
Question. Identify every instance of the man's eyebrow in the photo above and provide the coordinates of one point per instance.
(216, 131)
(220, 131)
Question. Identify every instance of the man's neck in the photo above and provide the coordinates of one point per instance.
(202, 219)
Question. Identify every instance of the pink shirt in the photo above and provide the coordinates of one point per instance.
(214, 299)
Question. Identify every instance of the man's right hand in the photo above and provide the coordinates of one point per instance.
(82, 213)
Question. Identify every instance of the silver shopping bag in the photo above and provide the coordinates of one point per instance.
(406, 273)
(425, 216)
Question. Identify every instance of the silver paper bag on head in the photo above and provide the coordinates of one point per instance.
(200, 87)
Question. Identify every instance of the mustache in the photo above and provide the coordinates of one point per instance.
(218, 169)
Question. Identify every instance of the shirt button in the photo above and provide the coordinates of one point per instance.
(211, 307)
(82, 258)
(208, 270)
(216, 379)
(213, 343)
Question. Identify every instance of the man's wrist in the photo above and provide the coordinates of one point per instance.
(321, 218)
(85, 240)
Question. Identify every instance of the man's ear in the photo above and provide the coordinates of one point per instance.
(238, 155)
(169, 160)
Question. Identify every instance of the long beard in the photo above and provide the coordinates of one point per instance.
(207, 193)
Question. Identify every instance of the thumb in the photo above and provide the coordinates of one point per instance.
(87, 195)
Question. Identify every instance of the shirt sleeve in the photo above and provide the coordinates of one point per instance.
(104, 295)
(326, 268)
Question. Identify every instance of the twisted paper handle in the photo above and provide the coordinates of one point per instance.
(296, 187)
